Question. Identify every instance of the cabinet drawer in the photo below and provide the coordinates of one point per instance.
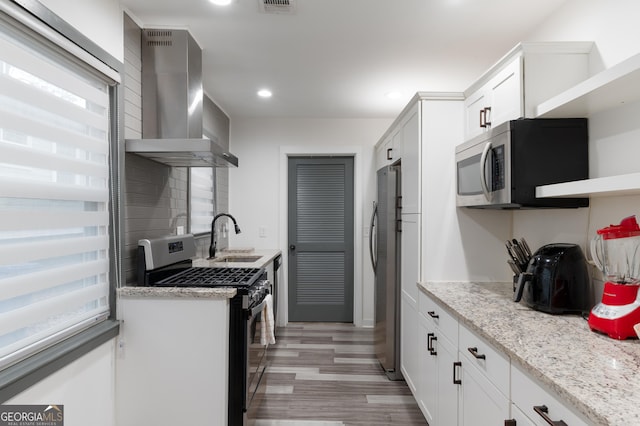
(437, 315)
(485, 357)
(481, 402)
(527, 394)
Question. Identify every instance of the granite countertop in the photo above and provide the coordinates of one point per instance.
(265, 257)
(177, 292)
(597, 375)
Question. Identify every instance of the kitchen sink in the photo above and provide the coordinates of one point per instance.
(237, 258)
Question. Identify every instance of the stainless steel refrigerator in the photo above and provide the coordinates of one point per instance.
(384, 247)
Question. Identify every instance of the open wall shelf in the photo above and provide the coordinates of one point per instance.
(608, 89)
(628, 184)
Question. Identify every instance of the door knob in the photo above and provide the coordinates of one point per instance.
(292, 247)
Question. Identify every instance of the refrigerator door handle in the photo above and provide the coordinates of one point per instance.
(374, 261)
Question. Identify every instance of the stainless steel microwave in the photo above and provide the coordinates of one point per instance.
(501, 168)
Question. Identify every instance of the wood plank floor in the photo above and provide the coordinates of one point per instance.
(327, 374)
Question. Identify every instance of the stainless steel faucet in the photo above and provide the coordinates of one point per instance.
(212, 247)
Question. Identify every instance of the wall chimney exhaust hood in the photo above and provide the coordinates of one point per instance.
(172, 104)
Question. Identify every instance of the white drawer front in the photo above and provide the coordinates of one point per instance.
(527, 394)
(437, 315)
(486, 358)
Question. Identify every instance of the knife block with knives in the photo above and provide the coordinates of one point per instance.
(519, 255)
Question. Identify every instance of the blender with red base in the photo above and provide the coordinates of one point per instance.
(616, 252)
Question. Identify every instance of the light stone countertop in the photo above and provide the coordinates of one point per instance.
(597, 375)
(178, 292)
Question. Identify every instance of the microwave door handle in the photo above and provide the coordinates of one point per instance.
(483, 164)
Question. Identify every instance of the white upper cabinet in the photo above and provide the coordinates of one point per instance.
(528, 75)
(389, 150)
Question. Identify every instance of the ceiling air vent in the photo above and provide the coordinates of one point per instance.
(283, 7)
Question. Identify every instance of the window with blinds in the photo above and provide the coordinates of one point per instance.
(201, 199)
(54, 195)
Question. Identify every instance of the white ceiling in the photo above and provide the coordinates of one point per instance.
(338, 58)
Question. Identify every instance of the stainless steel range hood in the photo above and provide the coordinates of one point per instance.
(172, 104)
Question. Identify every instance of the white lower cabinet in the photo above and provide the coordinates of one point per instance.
(448, 391)
(484, 380)
(410, 323)
(437, 394)
(409, 343)
(481, 403)
(171, 361)
(464, 380)
(427, 395)
(535, 403)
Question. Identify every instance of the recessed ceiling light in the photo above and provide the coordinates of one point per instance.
(393, 95)
(221, 2)
(265, 93)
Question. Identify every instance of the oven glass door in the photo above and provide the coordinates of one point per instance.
(256, 360)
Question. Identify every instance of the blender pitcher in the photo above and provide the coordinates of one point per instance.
(616, 252)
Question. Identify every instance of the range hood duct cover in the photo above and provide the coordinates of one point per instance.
(172, 103)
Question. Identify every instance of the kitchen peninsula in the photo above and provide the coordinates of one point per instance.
(176, 345)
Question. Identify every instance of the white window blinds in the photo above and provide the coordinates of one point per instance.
(54, 197)
(201, 199)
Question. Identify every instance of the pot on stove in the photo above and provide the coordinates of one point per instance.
(556, 281)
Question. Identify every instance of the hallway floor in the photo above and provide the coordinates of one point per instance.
(326, 374)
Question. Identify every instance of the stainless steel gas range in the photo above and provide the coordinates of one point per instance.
(167, 262)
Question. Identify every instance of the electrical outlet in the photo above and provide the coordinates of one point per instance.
(262, 232)
(180, 230)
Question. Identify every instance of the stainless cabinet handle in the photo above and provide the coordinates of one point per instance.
(542, 411)
(433, 314)
(456, 381)
(474, 352)
(389, 151)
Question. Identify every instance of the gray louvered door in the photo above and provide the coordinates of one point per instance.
(321, 239)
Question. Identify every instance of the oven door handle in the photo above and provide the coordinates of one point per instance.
(257, 309)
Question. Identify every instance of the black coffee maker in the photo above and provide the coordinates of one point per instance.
(556, 281)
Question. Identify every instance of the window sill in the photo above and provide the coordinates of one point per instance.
(26, 373)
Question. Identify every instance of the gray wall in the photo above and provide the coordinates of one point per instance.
(155, 195)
